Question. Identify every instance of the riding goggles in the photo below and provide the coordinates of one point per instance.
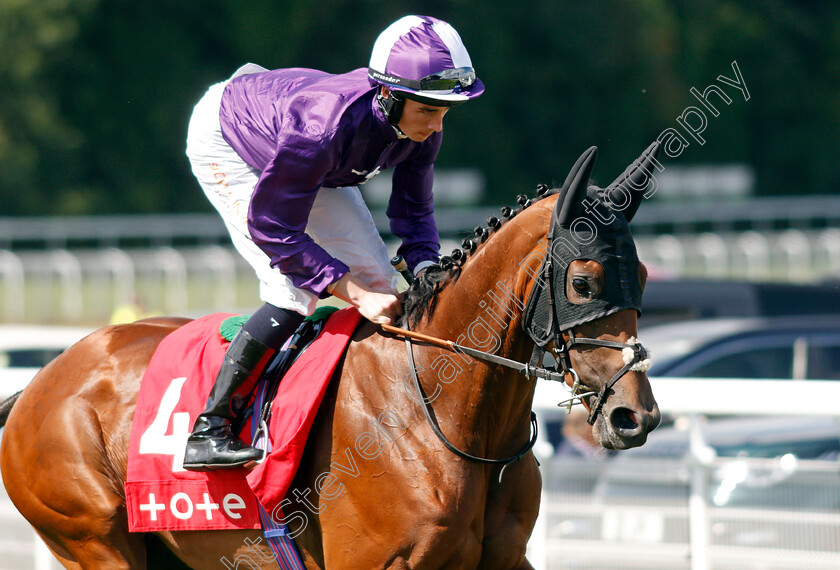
(446, 80)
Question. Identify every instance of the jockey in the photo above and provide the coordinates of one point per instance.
(280, 155)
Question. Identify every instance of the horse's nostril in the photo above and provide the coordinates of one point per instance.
(624, 419)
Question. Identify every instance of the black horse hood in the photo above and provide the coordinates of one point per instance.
(589, 223)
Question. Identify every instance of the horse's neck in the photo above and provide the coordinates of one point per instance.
(483, 310)
(484, 306)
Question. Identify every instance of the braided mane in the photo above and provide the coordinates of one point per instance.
(421, 298)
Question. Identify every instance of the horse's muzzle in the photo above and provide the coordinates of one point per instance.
(622, 428)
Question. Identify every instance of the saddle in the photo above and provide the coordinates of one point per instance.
(278, 412)
(256, 404)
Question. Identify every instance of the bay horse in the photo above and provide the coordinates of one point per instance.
(416, 504)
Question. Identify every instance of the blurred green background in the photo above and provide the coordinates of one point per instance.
(95, 95)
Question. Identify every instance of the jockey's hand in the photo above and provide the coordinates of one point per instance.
(380, 308)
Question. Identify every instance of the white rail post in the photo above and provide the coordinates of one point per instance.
(829, 242)
(121, 268)
(671, 253)
(756, 252)
(797, 254)
(42, 557)
(11, 268)
(174, 268)
(69, 271)
(698, 507)
(222, 264)
(537, 544)
(714, 251)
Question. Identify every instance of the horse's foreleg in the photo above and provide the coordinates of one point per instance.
(512, 509)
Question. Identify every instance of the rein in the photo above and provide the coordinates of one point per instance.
(560, 351)
(521, 367)
(561, 354)
(526, 369)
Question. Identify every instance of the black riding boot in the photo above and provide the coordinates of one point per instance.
(212, 444)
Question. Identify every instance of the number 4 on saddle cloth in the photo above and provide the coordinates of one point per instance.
(160, 493)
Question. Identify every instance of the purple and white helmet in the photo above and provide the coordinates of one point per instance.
(424, 58)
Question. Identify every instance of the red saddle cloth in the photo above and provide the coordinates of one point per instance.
(160, 493)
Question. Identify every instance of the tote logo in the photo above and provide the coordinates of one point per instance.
(183, 507)
(191, 505)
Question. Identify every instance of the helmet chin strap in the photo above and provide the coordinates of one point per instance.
(399, 131)
(392, 107)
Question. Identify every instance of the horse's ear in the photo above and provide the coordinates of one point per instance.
(631, 185)
(574, 188)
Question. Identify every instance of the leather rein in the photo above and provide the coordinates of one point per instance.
(561, 352)
(524, 368)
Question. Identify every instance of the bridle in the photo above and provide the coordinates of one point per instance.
(561, 354)
(635, 356)
(561, 350)
(529, 371)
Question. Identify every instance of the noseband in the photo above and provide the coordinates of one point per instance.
(560, 351)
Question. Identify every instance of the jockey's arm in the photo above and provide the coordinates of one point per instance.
(279, 212)
(411, 207)
(381, 308)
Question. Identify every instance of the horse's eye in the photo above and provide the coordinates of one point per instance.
(581, 286)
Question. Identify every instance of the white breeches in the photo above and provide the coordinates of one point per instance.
(339, 222)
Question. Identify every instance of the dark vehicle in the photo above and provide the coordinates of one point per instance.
(24, 349)
(804, 347)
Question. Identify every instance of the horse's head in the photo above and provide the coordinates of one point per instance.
(587, 297)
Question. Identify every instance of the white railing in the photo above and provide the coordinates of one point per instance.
(90, 285)
(714, 397)
(790, 255)
(694, 400)
(66, 285)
